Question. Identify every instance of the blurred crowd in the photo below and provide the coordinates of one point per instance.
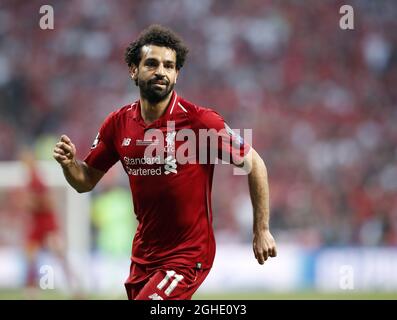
(322, 101)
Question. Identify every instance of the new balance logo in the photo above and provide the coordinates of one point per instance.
(126, 142)
(170, 165)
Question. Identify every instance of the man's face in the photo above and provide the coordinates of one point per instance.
(156, 74)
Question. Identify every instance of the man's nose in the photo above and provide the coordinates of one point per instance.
(160, 70)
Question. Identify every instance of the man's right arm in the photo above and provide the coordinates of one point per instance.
(78, 174)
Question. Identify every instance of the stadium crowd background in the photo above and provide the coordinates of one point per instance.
(322, 102)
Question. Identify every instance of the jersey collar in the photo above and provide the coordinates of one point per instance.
(162, 121)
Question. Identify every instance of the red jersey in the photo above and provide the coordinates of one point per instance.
(172, 200)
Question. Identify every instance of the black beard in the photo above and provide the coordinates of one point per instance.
(151, 94)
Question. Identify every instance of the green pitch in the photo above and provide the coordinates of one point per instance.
(304, 295)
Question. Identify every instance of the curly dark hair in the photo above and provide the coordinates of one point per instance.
(159, 36)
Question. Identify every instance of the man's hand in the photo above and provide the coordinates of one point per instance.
(65, 152)
(264, 246)
(80, 176)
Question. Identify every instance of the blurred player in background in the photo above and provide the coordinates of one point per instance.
(43, 230)
(174, 246)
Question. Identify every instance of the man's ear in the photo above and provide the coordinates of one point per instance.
(176, 75)
(134, 72)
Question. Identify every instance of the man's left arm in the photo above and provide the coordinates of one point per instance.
(264, 245)
(247, 159)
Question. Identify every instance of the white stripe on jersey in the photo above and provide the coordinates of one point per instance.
(173, 104)
(179, 104)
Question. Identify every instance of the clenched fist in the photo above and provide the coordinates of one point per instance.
(264, 246)
(65, 151)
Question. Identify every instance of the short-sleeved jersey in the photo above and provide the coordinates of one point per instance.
(172, 197)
